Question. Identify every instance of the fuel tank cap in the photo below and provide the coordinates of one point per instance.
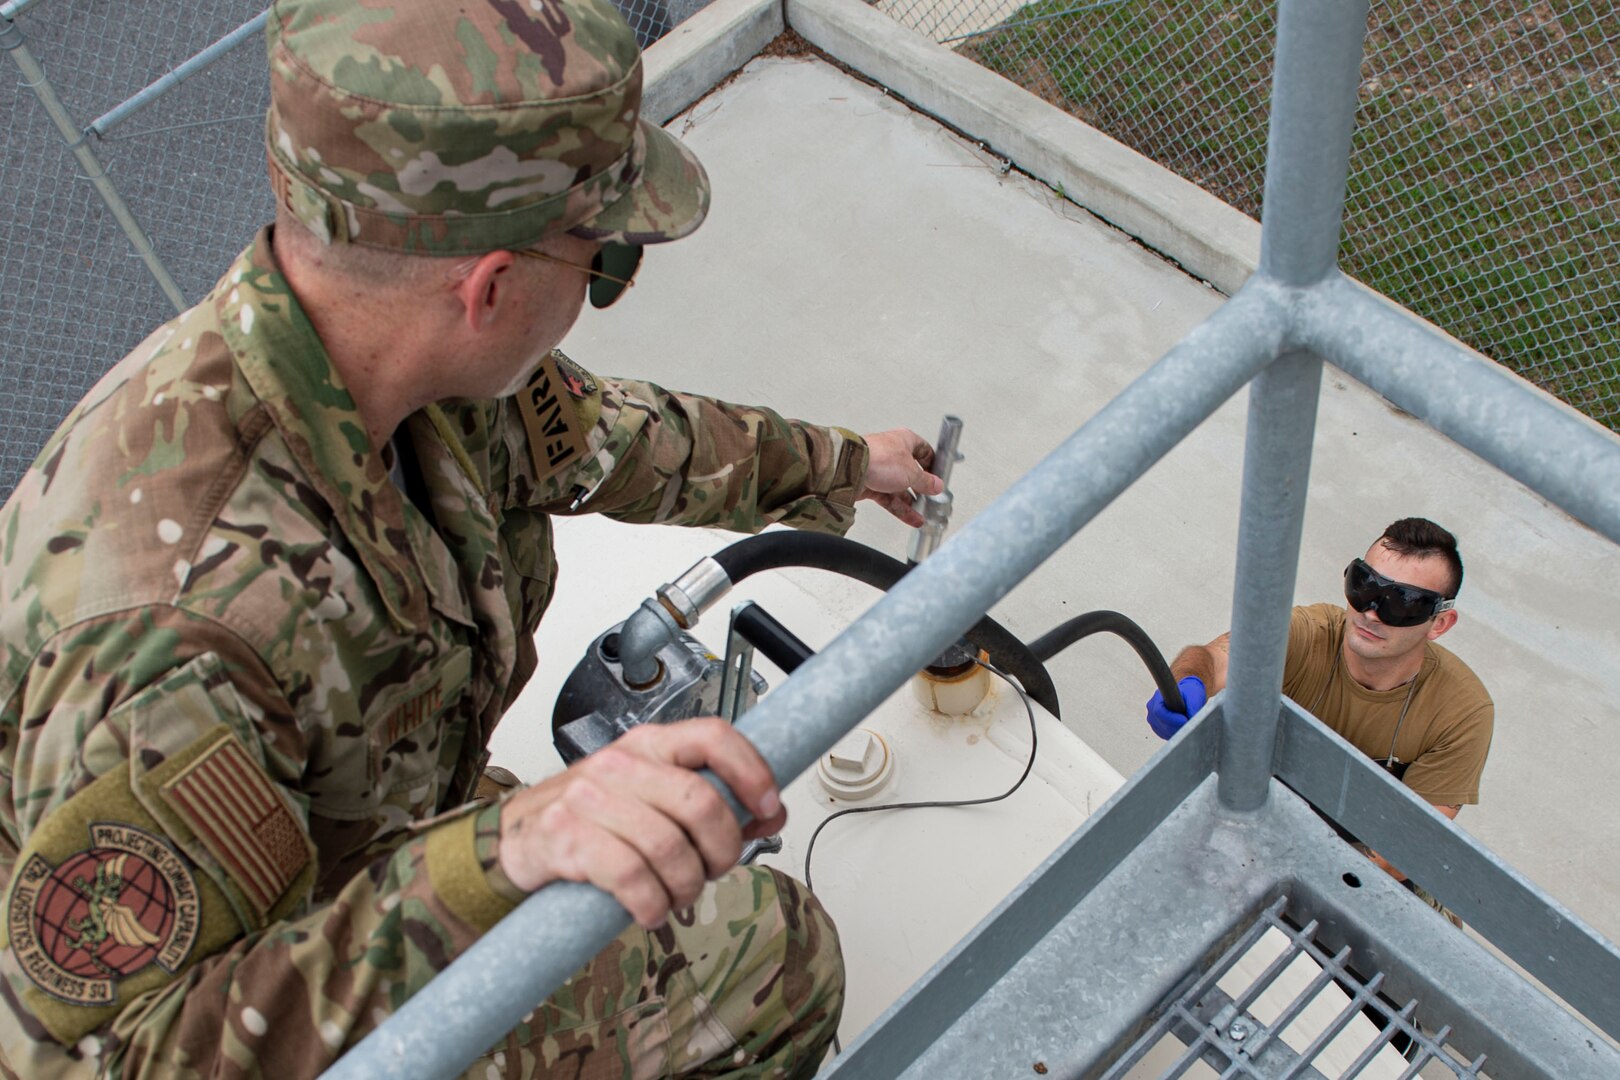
(858, 767)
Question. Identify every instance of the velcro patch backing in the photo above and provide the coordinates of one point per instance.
(226, 799)
(556, 415)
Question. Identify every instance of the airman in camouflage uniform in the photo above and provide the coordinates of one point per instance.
(262, 608)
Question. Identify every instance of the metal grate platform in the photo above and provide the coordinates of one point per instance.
(1224, 1032)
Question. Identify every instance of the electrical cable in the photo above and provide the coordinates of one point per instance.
(1040, 650)
(810, 849)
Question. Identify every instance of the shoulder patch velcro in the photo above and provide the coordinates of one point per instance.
(557, 414)
(226, 799)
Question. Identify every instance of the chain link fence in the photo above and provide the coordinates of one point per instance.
(1483, 194)
(1483, 191)
(74, 294)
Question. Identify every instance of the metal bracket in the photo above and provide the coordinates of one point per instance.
(734, 679)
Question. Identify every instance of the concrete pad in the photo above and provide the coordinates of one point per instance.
(865, 266)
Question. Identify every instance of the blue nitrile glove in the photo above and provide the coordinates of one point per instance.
(1166, 723)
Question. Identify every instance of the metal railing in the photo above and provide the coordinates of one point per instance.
(1296, 311)
(73, 302)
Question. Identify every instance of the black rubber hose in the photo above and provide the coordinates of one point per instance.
(1065, 634)
(778, 550)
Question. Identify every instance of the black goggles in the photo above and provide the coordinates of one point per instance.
(1396, 604)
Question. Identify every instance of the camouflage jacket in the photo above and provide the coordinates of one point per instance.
(242, 671)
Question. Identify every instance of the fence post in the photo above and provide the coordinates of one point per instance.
(11, 40)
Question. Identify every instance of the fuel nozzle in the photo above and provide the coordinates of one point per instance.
(954, 683)
(936, 509)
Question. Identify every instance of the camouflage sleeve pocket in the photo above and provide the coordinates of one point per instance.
(407, 732)
(196, 766)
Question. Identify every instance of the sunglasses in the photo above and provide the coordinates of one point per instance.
(1396, 604)
(612, 271)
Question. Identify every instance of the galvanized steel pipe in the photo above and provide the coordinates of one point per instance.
(1542, 444)
(649, 628)
(931, 607)
(1313, 103)
(1276, 473)
(1313, 110)
(555, 932)
(15, 8)
(11, 41)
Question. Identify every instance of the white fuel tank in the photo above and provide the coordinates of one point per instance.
(903, 886)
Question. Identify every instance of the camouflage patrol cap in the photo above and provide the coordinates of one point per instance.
(445, 128)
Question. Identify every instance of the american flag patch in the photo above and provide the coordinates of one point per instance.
(228, 801)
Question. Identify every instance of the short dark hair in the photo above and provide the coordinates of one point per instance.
(1417, 537)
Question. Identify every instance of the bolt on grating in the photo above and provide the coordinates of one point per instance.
(1225, 1033)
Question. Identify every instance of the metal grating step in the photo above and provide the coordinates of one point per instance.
(1225, 1033)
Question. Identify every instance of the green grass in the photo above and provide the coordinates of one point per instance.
(1483, 191)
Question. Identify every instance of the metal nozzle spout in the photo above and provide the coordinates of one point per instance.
(936, 509)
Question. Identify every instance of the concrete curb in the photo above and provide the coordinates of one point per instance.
(1174, 216)
(697, 55)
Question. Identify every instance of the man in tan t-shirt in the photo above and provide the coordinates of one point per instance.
(1372, 671)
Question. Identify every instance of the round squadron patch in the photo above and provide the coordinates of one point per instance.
(103, 914)
(575, 379)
